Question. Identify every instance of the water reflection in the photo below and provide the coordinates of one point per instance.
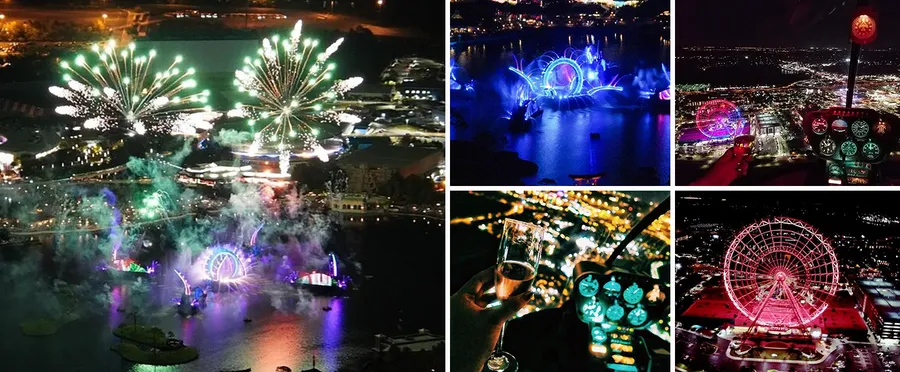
(621, 136)
(561, 145)
(332, 329)
(115, 302)
(288, 325)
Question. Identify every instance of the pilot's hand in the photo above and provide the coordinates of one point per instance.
(474, 328)
(727, 169)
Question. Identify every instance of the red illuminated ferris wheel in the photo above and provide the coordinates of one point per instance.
(780, 272)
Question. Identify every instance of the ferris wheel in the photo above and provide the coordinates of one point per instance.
(719, 119)
(780, 272)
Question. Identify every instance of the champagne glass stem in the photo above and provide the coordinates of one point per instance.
(499, 348)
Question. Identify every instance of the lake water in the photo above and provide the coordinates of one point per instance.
(288, 327)
(631, 144)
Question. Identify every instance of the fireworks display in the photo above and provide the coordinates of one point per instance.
(283, 81)
(121, 90)
(226, 265)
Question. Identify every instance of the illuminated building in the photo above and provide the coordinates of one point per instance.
(416, 342)
(22, 140)
(20, 108)
(357, 203)
(880, 301)
(421, 92)
(213, 174)
(612, 3)
(410, 70)
(370, 92)
(369, 168)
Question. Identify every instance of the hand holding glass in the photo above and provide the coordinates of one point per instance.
(517, 261)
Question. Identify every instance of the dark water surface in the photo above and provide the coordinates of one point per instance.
(288, 327)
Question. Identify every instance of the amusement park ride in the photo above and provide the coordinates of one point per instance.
(606, 323)
(852, 142)
(781, 274)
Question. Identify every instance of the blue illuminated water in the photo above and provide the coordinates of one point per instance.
(632, 142)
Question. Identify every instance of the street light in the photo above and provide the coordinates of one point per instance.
(2, 16)
(105, 16)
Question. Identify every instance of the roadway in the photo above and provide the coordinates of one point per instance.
(117, 18)
(688, 344)
(96, 228)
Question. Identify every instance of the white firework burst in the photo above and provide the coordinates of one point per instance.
(284, 81)
(120, 90)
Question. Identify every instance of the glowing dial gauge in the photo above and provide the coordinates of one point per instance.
(827, 146)
(615, 312)
(598, 335)
(839, 126)
(637, 316)
(612, 288)
(589, 286)
(871, 150)
(835, 170)
(593, 310)
(633, 294)
(819, 126)
(849, 148)
(860, 128)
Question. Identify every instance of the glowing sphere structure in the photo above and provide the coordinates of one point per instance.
(575, 73)
(225, 266)
(864, 26)
(719, 119)
(780, 272)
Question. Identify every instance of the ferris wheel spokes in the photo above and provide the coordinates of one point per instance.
(780, 272)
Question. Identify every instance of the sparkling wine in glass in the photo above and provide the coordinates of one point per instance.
(517, 262)
(513, 278)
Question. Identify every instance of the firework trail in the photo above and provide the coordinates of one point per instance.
(284, 82)
(121, 90)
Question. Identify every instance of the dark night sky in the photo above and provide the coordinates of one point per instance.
(792, 23)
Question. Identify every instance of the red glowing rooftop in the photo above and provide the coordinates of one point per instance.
(714, 307)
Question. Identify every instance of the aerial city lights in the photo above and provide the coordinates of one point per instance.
(720, 119)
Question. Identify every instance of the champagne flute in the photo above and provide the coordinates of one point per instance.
(517, 262)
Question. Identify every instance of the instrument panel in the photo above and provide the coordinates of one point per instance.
(850, 140)
(851, 134)
(614, 304)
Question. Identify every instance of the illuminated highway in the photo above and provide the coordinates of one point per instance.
(117, 18)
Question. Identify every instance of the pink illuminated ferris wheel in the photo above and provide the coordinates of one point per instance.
(780, 272)
(719, 119)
